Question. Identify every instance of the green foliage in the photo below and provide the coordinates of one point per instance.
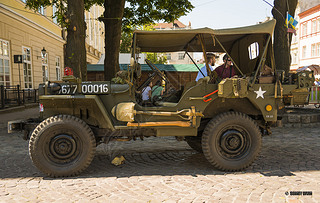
(146, 12)
(157, 58)
(126, 41)
(136, 13)
(61, 6)
(126, 37)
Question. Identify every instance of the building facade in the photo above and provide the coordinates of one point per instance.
(310, 36)
(28, 33)
(305, 46)
(94, 34)
(175, 57)
(24, 32)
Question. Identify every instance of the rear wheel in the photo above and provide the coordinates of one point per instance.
(62, 146)
(231, 141)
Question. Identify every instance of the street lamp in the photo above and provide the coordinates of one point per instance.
(43, 53)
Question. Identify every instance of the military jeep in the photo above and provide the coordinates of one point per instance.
(222, 118)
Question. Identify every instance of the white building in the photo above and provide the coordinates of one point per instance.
(175, 57)
(310, 36)
(305, 46)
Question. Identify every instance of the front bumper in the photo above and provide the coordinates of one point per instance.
(23, 125)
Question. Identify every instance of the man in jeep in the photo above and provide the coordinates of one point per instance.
(226, 70)
(203, 71)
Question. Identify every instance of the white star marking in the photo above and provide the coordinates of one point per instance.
(260, 93)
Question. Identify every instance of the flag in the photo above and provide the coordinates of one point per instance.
(291, 23)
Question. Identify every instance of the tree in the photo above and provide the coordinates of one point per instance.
(114, 10)
(282, 39)
(157, 58)
(135, 13)
(70, 15)
(127, 34)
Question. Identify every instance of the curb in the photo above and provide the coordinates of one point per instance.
(18, 108)
(301, 117)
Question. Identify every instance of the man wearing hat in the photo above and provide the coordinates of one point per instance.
(211, 60)
(226, 70)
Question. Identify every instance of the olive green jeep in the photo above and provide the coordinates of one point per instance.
(222, 118)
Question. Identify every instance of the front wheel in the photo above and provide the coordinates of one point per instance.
(62, 146)
(231, 141)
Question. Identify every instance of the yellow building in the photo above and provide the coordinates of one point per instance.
(25, 32)
(94, 34)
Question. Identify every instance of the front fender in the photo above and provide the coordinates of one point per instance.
(86, 107)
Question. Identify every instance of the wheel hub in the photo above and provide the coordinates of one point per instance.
(63, 146)
(232, 142)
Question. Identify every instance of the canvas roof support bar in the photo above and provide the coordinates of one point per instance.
(204, 54)
(228, 55)
(195, 63)
(262, 60)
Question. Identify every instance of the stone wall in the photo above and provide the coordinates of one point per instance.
(301, 117)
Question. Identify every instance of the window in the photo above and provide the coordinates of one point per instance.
(27, 69)
(54, 17)
(45, 71)
(180, 56)
(294, 38)
(304, 29)
(253, 50)
(41, 10)
(168, 56)
(58, 69)
(4, 63)
(318, 25)
(314, 26)
(304, 52)
(294, 57)
(313, 50)
(318, 49)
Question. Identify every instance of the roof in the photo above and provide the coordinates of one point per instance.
(186, 39)
(145, 67)
(169, 25)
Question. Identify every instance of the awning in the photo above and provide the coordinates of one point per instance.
(314, 68)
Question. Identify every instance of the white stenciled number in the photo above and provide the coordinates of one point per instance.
(90, 88)
(105, 88)
(65, 89)
(75, 87)
(96, 88)
(84, 88)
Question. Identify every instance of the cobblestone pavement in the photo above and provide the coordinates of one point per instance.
(165, 170)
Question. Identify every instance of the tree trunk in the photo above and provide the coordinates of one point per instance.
(76, 57)
(112, 19)
(282, 39)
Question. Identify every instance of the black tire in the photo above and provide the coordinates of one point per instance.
(62, 146)
(231, 141)
(195, 142)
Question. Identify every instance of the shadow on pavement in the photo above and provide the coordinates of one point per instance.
(283, 154)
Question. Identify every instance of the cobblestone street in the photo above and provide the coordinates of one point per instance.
(165, 170)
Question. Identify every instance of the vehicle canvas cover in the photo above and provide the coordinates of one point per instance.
(232, 40)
